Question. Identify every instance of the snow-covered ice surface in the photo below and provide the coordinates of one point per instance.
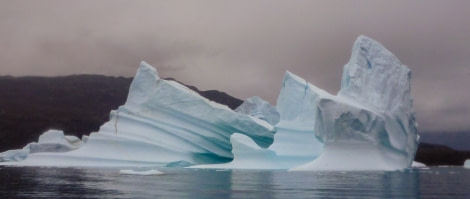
(162, 123)
(259, 108)
(370, 124)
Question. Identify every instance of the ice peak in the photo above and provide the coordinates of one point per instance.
(145, 79)
(144, 66)
(370, 124)
(289, 76)
(374, 76)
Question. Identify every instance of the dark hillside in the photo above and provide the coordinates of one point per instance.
(76, 104)
(432, 154)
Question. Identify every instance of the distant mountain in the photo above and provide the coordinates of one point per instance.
(456, 140)
(77, 104)
(434, 154)
(80, 104)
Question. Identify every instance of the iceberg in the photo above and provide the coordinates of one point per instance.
(466, 164)
(259, 108)
(416, 164)
(55, 141)
(49, 141)
(162, 123)
(370, 124)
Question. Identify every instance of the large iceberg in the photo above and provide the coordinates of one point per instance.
(162, 123)
(370, 124)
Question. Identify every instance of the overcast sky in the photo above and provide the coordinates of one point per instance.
(245, 47)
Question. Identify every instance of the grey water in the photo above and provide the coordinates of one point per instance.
(33, 182)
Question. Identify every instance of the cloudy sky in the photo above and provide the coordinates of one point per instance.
(245, 47)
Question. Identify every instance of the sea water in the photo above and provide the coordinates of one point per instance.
(34, 182)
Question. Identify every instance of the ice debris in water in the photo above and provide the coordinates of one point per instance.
(139, 172)
(466, 164)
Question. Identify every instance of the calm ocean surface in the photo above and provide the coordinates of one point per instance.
(437, 182)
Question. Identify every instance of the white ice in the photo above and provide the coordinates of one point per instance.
(416, 164)
(14, 155)
(143, 172)
(259, 108)
(370, 124)
(466, 164)
(50, 141)
(55, 141)
(294, 142)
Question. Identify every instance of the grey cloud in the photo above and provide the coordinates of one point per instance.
(244, 47)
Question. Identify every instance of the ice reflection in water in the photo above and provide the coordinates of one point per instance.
(191, 183)
(270, 184)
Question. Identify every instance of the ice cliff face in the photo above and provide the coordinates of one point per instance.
(370, 124)
(162, 123)
(295, 137)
